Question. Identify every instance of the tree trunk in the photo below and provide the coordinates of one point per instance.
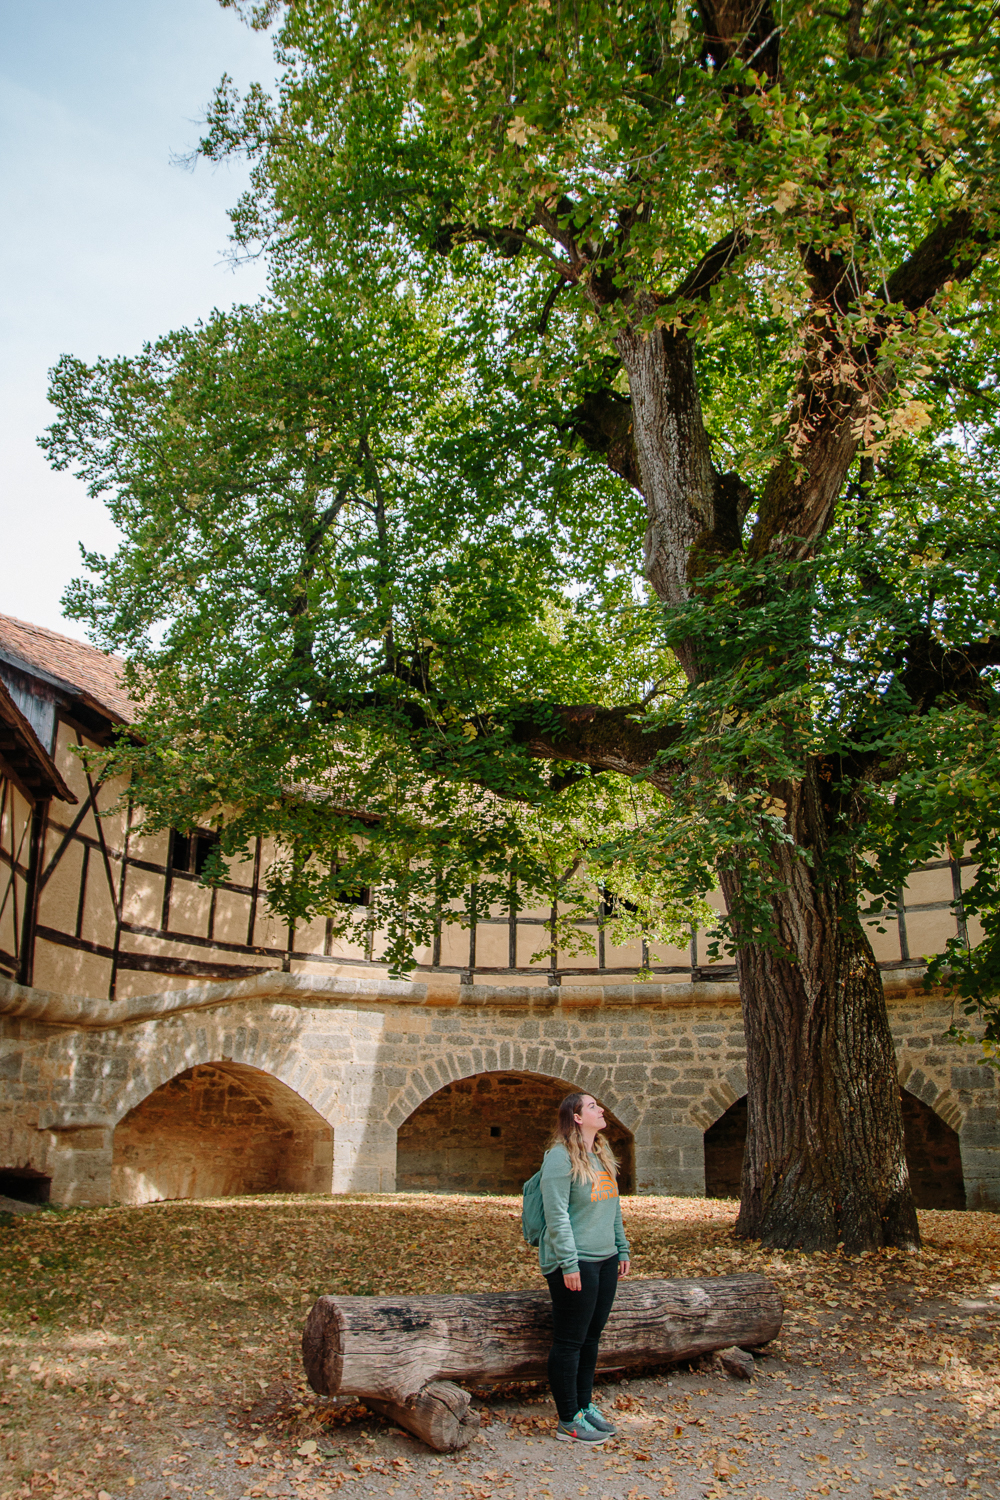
(824, 1163)
(393, 1349)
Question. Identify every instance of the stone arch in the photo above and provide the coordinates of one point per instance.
(161, 1050)
(724, 1143)
(721, 1094)
(484, 1133)
(937, 1096)
(933, 1153)
(216, 1130)
(514, 1057)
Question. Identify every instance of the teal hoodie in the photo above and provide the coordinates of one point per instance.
(583, 1220)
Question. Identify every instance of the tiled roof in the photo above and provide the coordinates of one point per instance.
(86, 673)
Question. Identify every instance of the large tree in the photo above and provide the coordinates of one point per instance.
(743, 256)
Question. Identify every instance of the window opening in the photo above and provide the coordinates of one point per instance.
(189, 851)
(349, 894)
(615, 906)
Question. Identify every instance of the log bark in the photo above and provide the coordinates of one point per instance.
(391, 1349)
(440, 1415)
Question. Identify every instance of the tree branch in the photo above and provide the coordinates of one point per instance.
(934, 261)
(603, 423)
(713, 265)
(550, 302)
(305, 636)
(933, 671)
(800, 496)
(741, 28)
(606, 739)
(504, 239)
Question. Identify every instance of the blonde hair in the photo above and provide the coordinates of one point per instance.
(568, 1133)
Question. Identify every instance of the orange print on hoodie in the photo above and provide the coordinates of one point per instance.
(604, 1187)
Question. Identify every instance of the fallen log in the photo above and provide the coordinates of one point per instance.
(389, 1351)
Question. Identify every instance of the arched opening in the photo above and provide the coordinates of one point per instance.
(933, 1154)
(486, 1134)
(24, 1185)
(219, 1130)
(725, 1142)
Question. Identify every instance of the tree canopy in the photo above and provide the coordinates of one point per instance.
(357, 573)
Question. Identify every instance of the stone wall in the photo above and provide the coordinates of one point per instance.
(487, 1134)
(666, 1060)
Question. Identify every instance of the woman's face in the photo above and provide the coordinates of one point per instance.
(590, 1115)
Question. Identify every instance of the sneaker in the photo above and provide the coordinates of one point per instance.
(579, 1430)
(597, 1419)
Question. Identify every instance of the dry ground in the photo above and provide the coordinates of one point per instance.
(153, 1352)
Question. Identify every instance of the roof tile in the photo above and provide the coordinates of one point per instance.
(90, 673)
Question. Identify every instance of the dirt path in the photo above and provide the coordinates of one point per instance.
(153, 1353)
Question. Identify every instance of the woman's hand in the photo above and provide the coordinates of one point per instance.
(623, 1266)
(571, 1281)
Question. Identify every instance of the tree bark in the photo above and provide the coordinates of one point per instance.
(824, 1162)
(678, 479)
(393, 1349)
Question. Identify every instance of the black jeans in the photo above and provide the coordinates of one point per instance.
(578, 1320)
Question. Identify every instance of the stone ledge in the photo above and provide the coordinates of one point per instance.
(80, 1013)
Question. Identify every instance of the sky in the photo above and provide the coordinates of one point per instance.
(106, 242)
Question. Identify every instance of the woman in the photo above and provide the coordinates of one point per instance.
(582, 1252)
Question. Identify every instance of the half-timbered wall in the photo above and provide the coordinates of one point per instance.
(121, 913)
(79, 879)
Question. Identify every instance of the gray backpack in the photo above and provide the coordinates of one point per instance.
(533, 1210)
